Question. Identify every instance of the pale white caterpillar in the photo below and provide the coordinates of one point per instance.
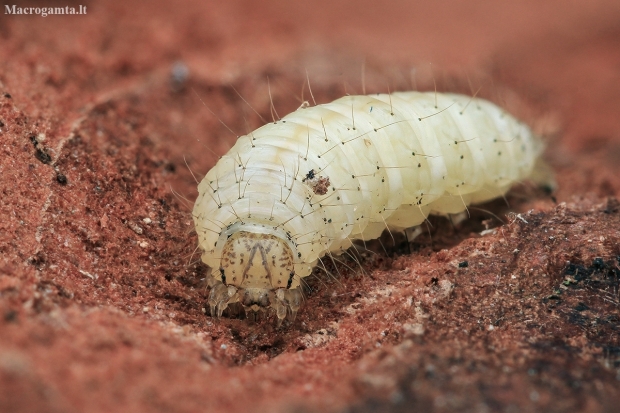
(311, 183)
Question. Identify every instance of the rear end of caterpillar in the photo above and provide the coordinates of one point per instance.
(309, 184)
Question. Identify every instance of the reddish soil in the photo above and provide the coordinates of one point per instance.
(101, 300)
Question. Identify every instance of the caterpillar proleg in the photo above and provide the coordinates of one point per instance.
(309, 184)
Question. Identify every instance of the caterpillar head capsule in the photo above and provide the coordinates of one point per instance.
(257, 270)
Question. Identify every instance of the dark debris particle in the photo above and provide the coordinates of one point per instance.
(612, 206)
(581, 307)
(547, 189)
(612, 352)
(309, 175)
(43, 156)
(578, 271)
(598, 264)
(38, 260)
(578, 319)
(463, 264)
(61, 178)
(10, 316)
(179, 74)
(34, 140)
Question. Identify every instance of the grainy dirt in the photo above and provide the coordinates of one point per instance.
(101, 300)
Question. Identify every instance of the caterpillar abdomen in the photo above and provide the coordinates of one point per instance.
(323, 176)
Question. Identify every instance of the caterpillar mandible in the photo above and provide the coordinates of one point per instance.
(309, 184)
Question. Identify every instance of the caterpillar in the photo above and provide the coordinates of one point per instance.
(321, 177)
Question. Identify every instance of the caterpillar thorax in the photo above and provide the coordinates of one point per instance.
(311, 183)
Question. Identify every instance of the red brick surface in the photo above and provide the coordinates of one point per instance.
(100, 295)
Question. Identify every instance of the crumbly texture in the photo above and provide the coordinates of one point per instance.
(101, 298)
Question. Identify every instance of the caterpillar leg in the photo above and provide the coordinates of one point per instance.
(544, 176)
(413, 232)
(287, 302)
(219, 298)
